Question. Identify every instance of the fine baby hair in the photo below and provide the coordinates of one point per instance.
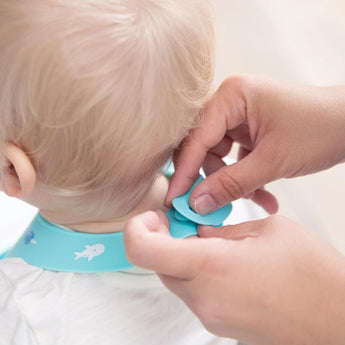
(98, 93)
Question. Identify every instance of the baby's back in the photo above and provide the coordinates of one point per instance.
(50, 308)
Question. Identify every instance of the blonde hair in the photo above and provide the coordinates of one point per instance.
(99, 92)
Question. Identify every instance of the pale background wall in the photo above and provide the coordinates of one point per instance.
(297, 40)
(301, 41)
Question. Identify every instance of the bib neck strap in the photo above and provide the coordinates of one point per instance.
(54, 248)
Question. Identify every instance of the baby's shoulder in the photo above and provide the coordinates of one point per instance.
(15, 327)
(14, 269)
(31, 299)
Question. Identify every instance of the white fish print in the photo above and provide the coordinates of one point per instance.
(90, 252)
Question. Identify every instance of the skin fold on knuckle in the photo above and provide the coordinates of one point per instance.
(229, 188)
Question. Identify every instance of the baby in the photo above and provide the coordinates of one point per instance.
(95, 95)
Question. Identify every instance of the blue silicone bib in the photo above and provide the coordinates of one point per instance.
(52, 247)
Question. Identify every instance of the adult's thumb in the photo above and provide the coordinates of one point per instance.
(231, 183)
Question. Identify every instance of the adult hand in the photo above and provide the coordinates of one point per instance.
(284, 130)
(265, 282)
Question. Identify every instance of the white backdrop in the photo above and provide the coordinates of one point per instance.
(301, 41)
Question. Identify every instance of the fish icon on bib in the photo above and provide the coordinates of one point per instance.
(90, 252)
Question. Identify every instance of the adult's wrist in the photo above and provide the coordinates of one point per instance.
(336, 108)
(313, 116)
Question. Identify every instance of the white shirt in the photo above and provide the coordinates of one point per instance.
(40, 307)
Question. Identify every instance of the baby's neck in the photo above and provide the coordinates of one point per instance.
(153, 200)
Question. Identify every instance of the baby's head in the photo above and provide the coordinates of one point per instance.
(97, 94)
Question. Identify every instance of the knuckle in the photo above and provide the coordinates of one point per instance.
(232, 189)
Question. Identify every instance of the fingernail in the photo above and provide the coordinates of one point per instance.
(205, 204)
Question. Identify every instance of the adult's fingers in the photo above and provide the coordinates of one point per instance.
(260, 196)
(149, 246)
(212, 163)
(215, 123)
(233, 182)
(266, 200)
(233, 232)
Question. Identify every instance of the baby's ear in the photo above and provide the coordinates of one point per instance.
(18, 174)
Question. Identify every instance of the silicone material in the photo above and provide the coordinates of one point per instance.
(49, 246)
(216, 218)
(184, 221)
(52, 247)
